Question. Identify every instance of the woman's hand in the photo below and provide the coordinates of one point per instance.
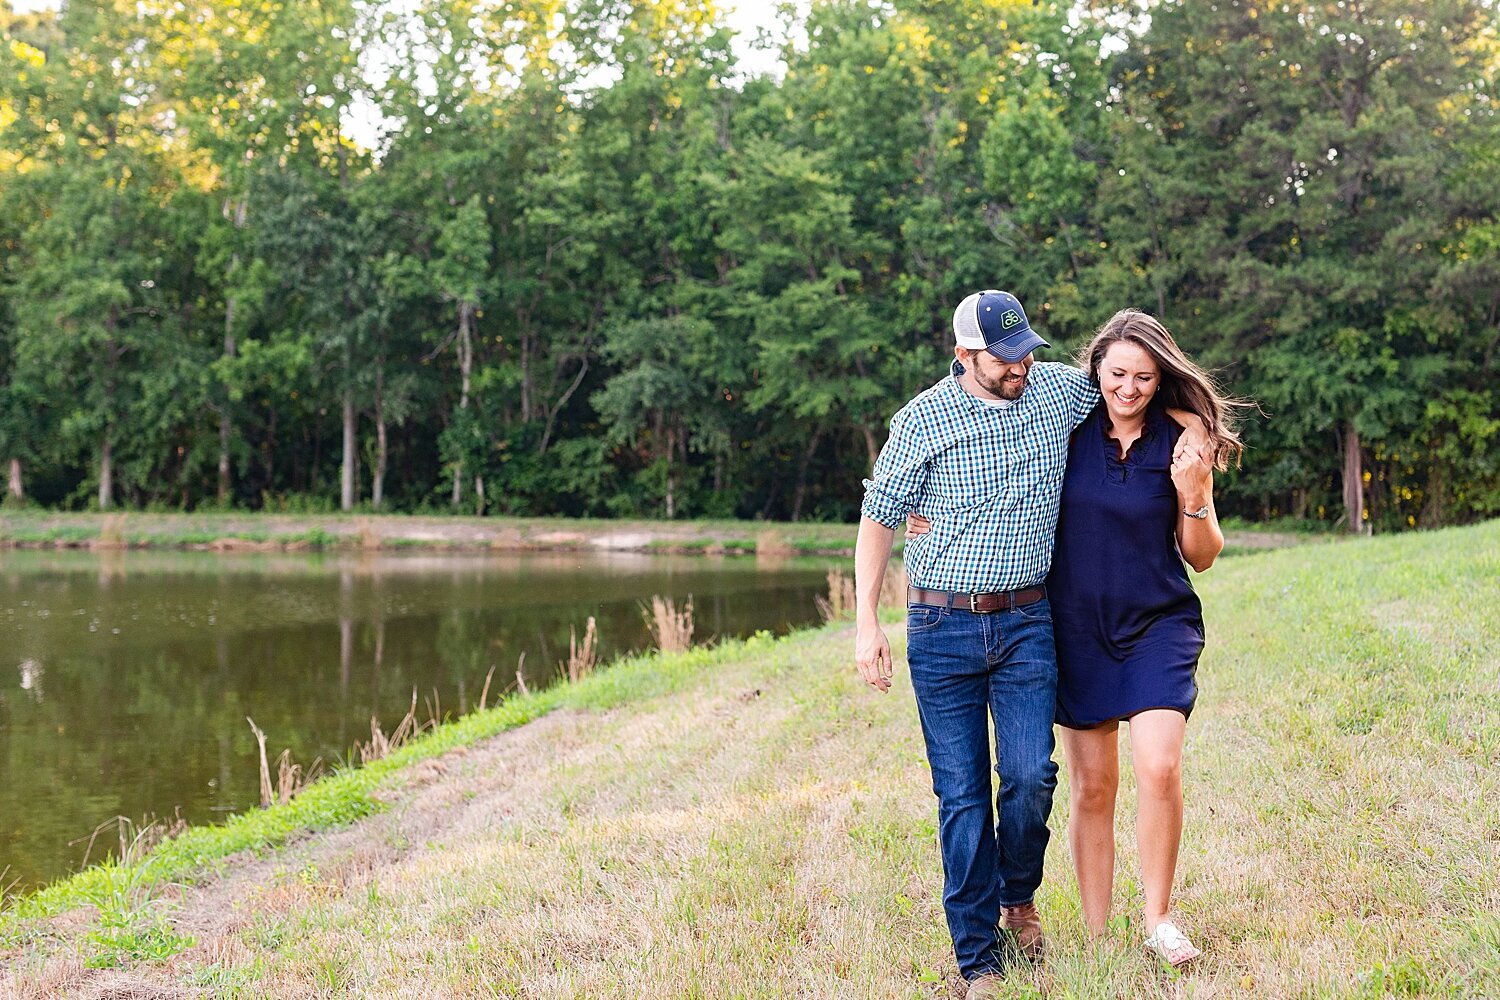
(1198, 539)
(1191, 474)
(916, 525)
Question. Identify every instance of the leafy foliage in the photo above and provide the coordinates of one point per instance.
(592, 266)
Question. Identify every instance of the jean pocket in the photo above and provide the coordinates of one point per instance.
(1041, 611)
(921, 618)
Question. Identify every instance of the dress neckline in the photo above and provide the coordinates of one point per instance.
(1112, 445)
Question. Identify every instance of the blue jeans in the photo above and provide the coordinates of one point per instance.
(966, 667)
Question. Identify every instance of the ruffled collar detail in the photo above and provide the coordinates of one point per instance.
(1149, 431)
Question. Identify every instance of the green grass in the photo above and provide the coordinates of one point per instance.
(350, 794)
(34, 527)
(751, 821)
(31, 527)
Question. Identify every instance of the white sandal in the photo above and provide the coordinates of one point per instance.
(1171, 945)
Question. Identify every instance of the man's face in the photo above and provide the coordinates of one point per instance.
(1001, 379)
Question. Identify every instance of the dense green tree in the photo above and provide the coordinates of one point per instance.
(1281, 197)
(95, 326)
(586, 265)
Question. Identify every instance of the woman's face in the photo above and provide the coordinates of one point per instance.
(1128, 378)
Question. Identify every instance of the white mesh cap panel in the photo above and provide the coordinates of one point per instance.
(966, 323)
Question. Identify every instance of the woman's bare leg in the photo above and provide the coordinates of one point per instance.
(1093, 779)
(1156, 745)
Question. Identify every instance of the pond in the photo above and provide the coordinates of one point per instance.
(126, 677)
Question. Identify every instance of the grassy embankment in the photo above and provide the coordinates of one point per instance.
(50, 529)
(754, 823)
(37, 528)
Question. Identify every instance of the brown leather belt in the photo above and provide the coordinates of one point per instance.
(980, 604)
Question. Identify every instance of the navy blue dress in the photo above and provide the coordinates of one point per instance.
(1129, 627)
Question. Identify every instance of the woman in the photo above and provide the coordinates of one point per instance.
(1128, 626)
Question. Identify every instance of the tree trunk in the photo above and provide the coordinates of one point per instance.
(377, 488)
(872, 450)
(1354, 481)
(377, 483)
(466, 312)
(13, 481)
(526, 393)
(346, 468)
(801, 492)
(106, 473)
(671, 476)
(237, 213)
(225, 425)
(106, 456)
(224, 429)
(771, 497)
(562, 401)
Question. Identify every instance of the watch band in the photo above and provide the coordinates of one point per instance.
(1200, 513)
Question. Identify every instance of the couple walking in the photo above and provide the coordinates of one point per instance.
(1046, 540)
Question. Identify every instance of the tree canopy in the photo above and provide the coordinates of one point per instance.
(584, 263)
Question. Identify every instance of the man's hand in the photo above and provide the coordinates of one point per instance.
(1194, 436)
(1193, 477)
(872, 652)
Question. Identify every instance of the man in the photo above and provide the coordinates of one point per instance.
(981, 455)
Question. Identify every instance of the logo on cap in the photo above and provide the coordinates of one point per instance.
(995, 321)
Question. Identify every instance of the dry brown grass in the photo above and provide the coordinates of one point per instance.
(582, 657)
(840, 602)
(111, 532)
(367, 534)
(266, 794)
(670, 850)
(671, 629)
(773, 544)
(521, 675)
(380, 745)
(770, 831)
(133, 840)
(291, 777)
(893, 587)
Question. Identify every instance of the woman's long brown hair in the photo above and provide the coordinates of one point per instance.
(1184, 386)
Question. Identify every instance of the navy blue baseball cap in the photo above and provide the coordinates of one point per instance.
(995, 322)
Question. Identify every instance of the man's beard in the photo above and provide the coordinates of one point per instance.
(1001, 387)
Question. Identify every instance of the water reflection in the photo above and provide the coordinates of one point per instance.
(154, 659)
(31, 678)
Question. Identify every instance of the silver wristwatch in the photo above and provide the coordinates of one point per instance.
(1200, 513)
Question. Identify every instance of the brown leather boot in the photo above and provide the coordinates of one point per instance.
(1025, 927)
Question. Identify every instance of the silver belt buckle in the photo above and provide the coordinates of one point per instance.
(974, 605)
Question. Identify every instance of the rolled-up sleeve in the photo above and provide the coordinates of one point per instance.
(1083, 394)
(900, 472)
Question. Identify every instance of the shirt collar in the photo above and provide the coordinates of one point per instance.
(957, 390)
(966, 399)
